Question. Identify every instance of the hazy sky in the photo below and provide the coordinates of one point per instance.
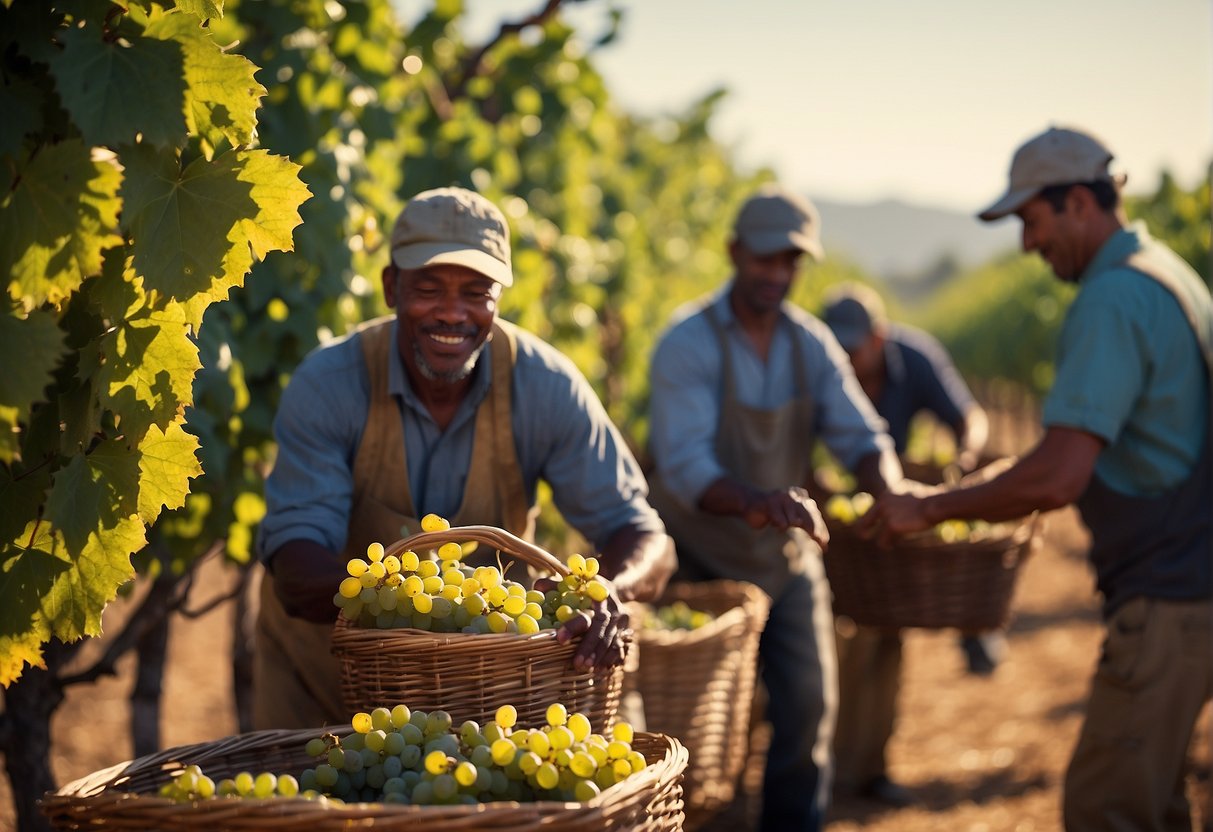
(923, 100)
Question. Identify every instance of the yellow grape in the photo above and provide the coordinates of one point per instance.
(374, 552)
(576, 564)
(450, 551)
(434, 523)
(557, 714)
(361, 722)
(350, 587)
(356, 567)
(409, 561)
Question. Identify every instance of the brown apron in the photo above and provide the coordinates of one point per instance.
(767, 449)
(297, 678)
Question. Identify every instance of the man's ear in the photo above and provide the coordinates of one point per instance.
(1081, 200)
(390, 283)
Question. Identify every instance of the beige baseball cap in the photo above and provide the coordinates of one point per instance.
(1058, 156)
(776, 220)
(455, 226)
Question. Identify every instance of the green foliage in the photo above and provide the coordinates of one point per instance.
(129, 203)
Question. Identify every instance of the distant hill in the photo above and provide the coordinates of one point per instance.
(909, 244)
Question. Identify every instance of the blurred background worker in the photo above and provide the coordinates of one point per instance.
(904, 371)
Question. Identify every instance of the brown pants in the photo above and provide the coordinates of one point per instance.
(869, 679)
(1155, 673)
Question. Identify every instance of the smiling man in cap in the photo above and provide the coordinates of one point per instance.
(742, 385)
(442, 408)
(1127, 439)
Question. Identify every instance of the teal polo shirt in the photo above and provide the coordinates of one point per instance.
(1129, 370)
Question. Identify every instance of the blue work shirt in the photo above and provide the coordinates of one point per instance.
(919, 376)
(561, 431)
(1129, 370)
(686, 373)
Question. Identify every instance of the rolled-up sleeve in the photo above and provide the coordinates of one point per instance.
(685, 410)
(570, 442)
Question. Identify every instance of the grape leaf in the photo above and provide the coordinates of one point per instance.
(149, 369)
(203, 9)
(56, 222)
(21, 103)
(191, 229)
(222, 95)
(118, 89)
(167, 462)
(39, 342)
(45, 596)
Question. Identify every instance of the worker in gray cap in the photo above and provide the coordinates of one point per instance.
(743, 383)
(904, 371)
(441, 408)
(1127, 439)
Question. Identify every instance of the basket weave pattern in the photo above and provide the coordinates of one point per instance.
(123, 798)
(698, 685)
(925, 582)
(471, 675)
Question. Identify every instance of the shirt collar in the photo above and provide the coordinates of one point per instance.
(1117, 248)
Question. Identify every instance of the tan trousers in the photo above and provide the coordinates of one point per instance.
(1154, 675)
(869, 679)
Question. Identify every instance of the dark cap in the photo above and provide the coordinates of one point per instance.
(853, 312)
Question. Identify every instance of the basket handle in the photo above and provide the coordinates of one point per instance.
(499, 539)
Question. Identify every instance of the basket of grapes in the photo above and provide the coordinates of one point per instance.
(394, 769)
(957, 575)
(418, 625)
(696, 672)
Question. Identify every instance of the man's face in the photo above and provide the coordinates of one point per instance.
(1055, 235)
(445, 315)
(868, 358)
(763, 280)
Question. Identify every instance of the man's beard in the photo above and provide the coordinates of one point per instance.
(451, 376)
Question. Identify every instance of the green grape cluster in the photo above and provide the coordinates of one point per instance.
(676, 616)
(445, 595)
(192, 784)
(414, 757)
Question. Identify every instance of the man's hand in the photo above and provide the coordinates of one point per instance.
(892, 516)
(602, 630)
(785, 509)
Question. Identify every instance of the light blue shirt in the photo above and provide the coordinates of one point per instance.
(1129, 370)
(561, 431)
(686, 374)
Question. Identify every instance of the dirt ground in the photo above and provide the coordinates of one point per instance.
(981, 754)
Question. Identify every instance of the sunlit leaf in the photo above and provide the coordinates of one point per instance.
(56, 222)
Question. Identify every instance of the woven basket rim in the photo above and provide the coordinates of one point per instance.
(103, 786)
(499, 539)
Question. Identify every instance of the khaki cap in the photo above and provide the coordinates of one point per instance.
(1058, 156)
(455, 226)
(776, 220)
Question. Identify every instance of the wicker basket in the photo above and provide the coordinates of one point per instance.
(923, 581)
(698, 685)
(123, 798)
(471, 675)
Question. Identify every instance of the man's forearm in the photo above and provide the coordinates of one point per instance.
(638, 562)
(878, 472)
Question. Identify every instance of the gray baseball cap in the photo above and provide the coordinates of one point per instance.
(1058, 156)
(853, 312)
(776, 220)
(456, 226)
